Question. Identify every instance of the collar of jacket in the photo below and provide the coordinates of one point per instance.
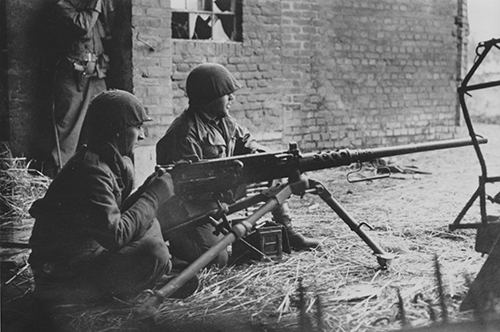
(204, 116)
(228, 122)
(121, 166)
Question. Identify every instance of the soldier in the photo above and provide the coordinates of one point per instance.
(205, 130)
(83, 31)
(90, 238)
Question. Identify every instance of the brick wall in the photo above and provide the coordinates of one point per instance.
(325, 73)
(256, 63)
(381, 72)
(152, 61)
(339, 73)
(384, 71)
(301, 31)
(151, 72)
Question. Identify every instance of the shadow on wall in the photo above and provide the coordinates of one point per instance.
(4, 121)
(120, 51)
(43, 37)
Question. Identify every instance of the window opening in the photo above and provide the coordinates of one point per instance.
(217, 20)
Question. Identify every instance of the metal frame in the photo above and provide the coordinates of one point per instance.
(482, 50)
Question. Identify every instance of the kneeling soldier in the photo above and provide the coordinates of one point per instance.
(205, 130)
(88, 240)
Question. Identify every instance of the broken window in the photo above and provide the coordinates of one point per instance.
(217, 20)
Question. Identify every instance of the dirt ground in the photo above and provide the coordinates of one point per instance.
(409, 213)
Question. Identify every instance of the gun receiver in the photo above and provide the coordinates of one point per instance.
(220, 175)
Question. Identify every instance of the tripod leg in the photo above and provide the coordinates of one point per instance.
(383, 257)
(237, 231)
(466, 208)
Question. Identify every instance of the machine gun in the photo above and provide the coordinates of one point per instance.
(218, 177)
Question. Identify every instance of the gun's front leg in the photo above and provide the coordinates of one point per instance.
(383, 257)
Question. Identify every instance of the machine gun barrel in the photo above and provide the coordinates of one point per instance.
(221, 175)
(344, 157)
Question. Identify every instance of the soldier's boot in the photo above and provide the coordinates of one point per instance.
(297, 241)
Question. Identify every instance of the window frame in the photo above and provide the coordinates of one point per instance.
(235, 13)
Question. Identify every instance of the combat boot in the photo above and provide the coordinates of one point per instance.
(297, 241)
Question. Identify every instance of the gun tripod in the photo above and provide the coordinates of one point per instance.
(272, 198)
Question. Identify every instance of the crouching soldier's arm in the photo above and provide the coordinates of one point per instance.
(113, 227)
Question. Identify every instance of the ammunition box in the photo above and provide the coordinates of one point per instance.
(267, 240)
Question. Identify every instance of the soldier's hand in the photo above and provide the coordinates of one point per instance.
(162, 187)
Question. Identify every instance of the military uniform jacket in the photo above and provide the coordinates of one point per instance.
(194, 136)
(86, 29)
(84, 214)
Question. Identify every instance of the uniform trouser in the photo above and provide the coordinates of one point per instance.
(191, 241)
(72, 95)
(135, 267)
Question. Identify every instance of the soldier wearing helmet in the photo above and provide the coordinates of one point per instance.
(90, 239)
(206, 130)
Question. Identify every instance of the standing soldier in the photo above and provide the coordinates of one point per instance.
(83, 32)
